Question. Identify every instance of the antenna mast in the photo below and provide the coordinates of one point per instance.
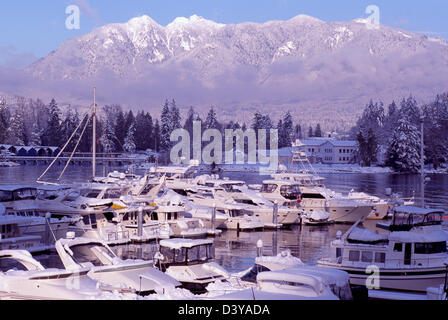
(94, 135)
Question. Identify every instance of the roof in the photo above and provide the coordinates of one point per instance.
(184, 243)
(15, 187)
(321, 141)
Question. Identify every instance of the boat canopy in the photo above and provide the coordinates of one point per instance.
(407, 217)
(184, 243)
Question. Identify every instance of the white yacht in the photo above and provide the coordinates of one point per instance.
(11, 238)
(24, 278)
(381, 209)
(191, 262)
(257, 204)
(104, 266)
(238, 215)
(410, 257)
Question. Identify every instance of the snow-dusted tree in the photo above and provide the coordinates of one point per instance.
(4, 123)
(36, 133)
(285, 131)
(120, 129)
(211, 122)
(175, 116)
(410, 110)
(108, 138)
(165, 128)
(156, 138)
(404, 151)
(52, 134)
(16, 129)
(188, 125)
(129, 141)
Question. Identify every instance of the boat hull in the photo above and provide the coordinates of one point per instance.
(409, 279)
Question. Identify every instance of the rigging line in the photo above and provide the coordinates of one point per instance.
(75, 148)
(62, 150)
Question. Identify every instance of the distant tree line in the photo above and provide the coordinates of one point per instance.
(33, 123)
(395, 133)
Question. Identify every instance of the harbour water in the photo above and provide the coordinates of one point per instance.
(236, 251)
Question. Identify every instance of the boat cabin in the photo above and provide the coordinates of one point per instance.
(17, 193)
(186, 252)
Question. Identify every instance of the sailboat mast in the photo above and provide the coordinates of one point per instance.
(94, 135)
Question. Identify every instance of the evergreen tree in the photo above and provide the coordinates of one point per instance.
(404, 151)
(175, 117)
(4, 121)
(211, 121)
(371, 148)
(188, 125)
(285, 131)
(410, 110)
(68, 126)
(298, 132)
(120, 129)
(318, 131)
(108, 138)
(16, 129)
(165, 128)
(129, 141)
(52, 132)
(310, 132)
(362, 147)
(36, 133)
(156, 140)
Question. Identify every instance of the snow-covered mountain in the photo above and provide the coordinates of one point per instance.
(299, 62)
(212, 47)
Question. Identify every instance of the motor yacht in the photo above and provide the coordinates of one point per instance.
(22, 277)
(190, 262)
(409, 255)
(257, 204)
(104, 266)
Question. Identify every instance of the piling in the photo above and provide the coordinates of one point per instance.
(214, 217)
(140, 222)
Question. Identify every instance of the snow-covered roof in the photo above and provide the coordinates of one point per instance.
(366, 235)
(416, 210)
(184, 243)
(320, 141)
(420, 234)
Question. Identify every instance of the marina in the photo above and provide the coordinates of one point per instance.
(234, 250)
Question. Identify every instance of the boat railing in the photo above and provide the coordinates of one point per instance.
(391, 263)
(117, 235)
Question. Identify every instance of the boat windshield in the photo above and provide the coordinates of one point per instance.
(232, 187)
(268, 188)
(95, 253)
(184, 255)
(251, 275)
(5, 196)
(290, 192)
(113, 194)
(90, 193)
(19, 194)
